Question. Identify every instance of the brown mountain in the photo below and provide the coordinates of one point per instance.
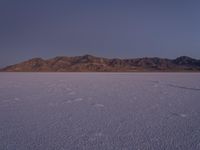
(89, 63)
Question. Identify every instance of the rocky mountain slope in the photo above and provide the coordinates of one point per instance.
(89, 63)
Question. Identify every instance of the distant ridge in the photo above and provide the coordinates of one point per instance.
(89, 63)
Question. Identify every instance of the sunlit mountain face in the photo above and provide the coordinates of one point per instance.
(89, 63)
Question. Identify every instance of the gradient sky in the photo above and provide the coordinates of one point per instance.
(109, 28)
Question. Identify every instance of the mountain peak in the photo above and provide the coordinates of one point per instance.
(88, 55)
(185, 60)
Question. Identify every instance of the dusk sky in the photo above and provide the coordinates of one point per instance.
(109, 28)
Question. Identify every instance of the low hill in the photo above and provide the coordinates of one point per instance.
(89, 63)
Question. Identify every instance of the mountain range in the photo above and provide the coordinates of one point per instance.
(89, 63)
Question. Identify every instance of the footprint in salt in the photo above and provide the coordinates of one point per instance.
(68, 89)
(99, 105)
(155, 85)
(89, 98)
(72, 93)
(68, 101)
(16, 99)
(78, 99)
(179, 115)
(51, 104)
(198, 145)
(96, 136)
(183, 115)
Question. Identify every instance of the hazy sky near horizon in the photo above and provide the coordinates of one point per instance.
(109, 28)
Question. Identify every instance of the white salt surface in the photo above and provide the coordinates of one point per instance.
(99, 111)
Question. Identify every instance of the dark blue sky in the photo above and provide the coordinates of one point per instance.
(109, 28)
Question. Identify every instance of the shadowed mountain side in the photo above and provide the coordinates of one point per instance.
(89, 63)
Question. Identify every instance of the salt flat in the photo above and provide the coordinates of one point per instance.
(99, 111)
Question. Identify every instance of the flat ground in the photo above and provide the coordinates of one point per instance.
(99, 111)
